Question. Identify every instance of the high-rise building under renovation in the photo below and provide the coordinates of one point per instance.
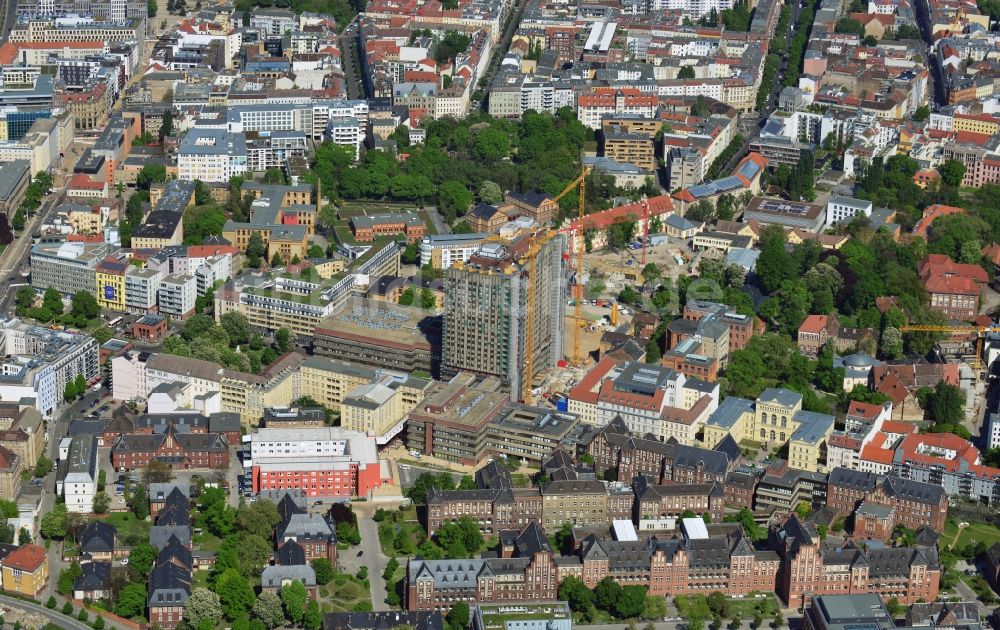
(485, 311)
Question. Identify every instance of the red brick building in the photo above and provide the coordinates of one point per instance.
(179, 450)
(913, 504)
(906, 573)
(528, 569)
(369, 227)
(953, 287)
(150, 328)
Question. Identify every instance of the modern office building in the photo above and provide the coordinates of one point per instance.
(383, 335)
(211, 155)
(442, 251)
(40, 362)
(67, 267)
(485, 319)
(329, 462)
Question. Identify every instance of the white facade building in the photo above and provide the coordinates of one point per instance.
(80, 484)
(211, 155)
(177, 295)
(845, 208)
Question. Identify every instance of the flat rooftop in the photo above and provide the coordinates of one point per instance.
(383, 323)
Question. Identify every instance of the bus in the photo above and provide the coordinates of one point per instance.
(114, 322)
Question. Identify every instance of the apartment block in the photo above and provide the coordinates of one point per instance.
(176, 295)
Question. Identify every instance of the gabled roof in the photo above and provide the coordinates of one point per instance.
(290, 553)
(98, 537)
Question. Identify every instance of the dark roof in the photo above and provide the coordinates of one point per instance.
(485, 211)
(729, 446)
(188, 442)
(854, 479)
(97, 537)
(909, 489)
(159, 535)
(94, 577)
(290, 553)
(169, 585)
(618, 437)
(531, 540)
(174, 551)
(534, 199)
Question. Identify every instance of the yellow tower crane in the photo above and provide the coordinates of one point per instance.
(579, 183)
(530, 264)
(979, 331)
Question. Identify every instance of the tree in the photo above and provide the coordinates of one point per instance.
(267, 609)
(131, 600)
(151, 8)
(922, 113)
(202, 605)
(139, 503)
(574, 591)
(803, 509)
(952, 172)
(324, 570)
(258, 518)
(293, 598)
(157, 472)
(23, 537)
(6, 234)
(235, 593)
(277, 260)
(454, 199)
(141, 558)
(102, 503)
(255, 250)
(458, 617)
(53, 524)
(490, 192)
(152, 173)
(946, 405)
(700, 107)
(167, 124)
(84, 305)
(630, 602)
(67, 576)
(686, 72)
(43, 466)
(606, 593)
(312, 618)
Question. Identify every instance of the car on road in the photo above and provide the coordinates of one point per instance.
(124, 562)
(360, 553)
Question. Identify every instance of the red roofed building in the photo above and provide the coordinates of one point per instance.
(815, 331)
(660, 206)
(932, 212)
(953, 287)
(26, 570)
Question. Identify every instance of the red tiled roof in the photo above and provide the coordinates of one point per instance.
(26, 558)
(814, 324)
(864, 410)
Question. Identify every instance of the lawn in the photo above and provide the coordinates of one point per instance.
(131, 530)
(974, 534)
(696, 606)
(520, 480)
(199, 578)
(344, 593)
(206, 541)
